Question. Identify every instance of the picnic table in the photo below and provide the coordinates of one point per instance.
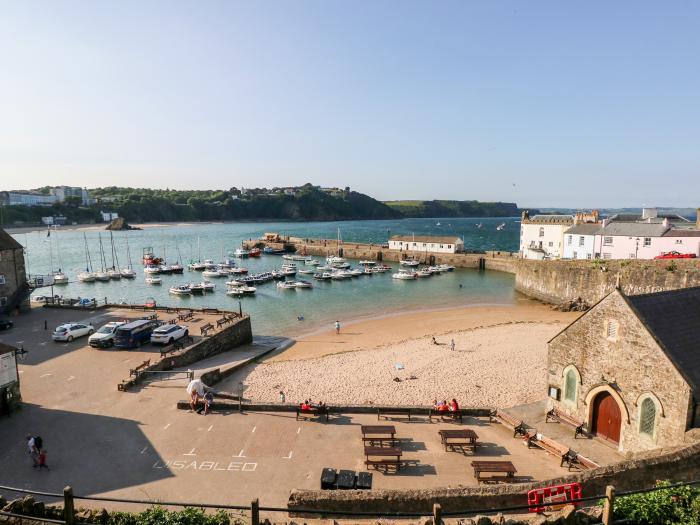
(378, 434)
(461, 438)
(390, 457)
(495, 467)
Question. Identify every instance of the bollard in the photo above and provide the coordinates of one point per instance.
(68, 507)
(46, 324)
(437, 514)
(255, 512)
(609, 505)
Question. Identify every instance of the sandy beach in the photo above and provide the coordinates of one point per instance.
(499, 359)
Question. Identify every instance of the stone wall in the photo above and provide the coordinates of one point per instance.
(15, 289)
(677, 465)
(630, 366)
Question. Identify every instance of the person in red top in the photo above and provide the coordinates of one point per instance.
(305, 405)
(454, 407)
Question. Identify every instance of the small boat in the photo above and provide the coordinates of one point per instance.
(356, 272)
(165, 269)
(446, 268)
(238, 271)
(437, 223)
(302, 284)
(60, 278)
(213, 272)
(409, 262)
(102, 276)
(381, 268)
(241, 253)
(289, 269)
(128, 273)
(325, 276)
(272, 251)
(339, 275)
(286, 285)
(202, 288)
(152, 269)
(479, 226)
(183, 289)
(209, 264)
(86, 277)
(242, 290)
(312, 262)
(405, 275)
(234, 282)
(176, 268)
(306, 271)
(152, 280)
(255, 252)
(423, 273)
(114, 273)
(367, 262)
(369, 271)
(334, 259)
(501, 226)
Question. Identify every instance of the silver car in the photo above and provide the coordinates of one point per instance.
(70, 331)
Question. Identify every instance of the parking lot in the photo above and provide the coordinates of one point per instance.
(136, 444)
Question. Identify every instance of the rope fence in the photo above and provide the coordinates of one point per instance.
(254, 508)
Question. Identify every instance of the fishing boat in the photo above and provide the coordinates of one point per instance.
(255, 252)
(409, 262)
(241, 253)
(149, 259)
(183, 289)
(152, 279)
(404, 275)
(202, 288)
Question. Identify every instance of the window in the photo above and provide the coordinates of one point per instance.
(551, 244)
(570, 383)
(449, 246)
(679, 241)
(2, 279)
(647, 241)
(588, 256)
(542, 231)
(414, 245)
(569, 239)
(575, 255)
(581, 240)
(647, 417)
(441, 246)
(607, 241)
(611, 330)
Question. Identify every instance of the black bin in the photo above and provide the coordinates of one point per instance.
(346, 479)
(364, 480)
(328, 476)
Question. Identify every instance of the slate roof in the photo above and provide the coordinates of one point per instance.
(673, 319)
(427, 238)
(584, 229)
(551, 219)
(7, 242)
(682, 233)
(634, 229)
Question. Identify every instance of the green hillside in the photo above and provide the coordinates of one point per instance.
(445, 208)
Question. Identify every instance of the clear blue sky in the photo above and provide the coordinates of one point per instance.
(543, 103)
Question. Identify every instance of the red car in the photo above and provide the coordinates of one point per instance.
(675, 255)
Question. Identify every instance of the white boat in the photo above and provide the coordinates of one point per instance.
(325, 276)
(334, 259)
(480, 225)
(86, 277)
(423, 273)
(306, 271)
(128, 273)
(102, 276)
(381, 268)
(356, 272)
(175, 268)
(446, 268)
(303, 284)
(213, 272)
(202, 288)
(312, 262)
(183, 289)
(242, 290)
(209, 264)
(114, 273)
(60, 278)
(196, 266)
(405, 275)
(409, 262)
(234, 282)
(289, 269)
(241, 253)
(501, 226)
(339, 275)
(151, 269)
(152, 280)
(286, 285)
(367, 262)
(437, 223)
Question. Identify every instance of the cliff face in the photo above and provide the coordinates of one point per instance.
(444, 208)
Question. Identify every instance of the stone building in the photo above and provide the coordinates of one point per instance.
(10, 397)
(14, 291)
(629, 369)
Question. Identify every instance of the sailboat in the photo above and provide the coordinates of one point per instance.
(438, 223)
(501, 226)
(58, 277)
(102, 275)
(88, 276)
(177, 267)
(128, 273)
(336, 261)
(197, 265)
(114, 272)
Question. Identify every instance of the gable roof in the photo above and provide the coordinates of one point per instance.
(634, 229)
(584, 229)
(7, 242)
(673, 320)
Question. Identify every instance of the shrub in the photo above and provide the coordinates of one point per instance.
(672, 506)
(672, 267)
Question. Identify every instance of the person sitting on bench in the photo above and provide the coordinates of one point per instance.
(454, 407)
(305, 406)
(443, 407)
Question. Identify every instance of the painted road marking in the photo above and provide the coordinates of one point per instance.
(298, 430)
(42, 344)
(240, 454)
(210, 427)
(70, 378)
(289, 456)
(45, 375)
(191, 453)
(254, 429)
(166, 426)
(144, 450)
(233, 466)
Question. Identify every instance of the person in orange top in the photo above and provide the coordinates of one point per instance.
(454, 407)
(442, 407)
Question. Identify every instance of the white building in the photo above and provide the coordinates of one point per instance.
(542, 235)
(631, 240)
(423, 243)
(109, 216)
(22, 198)
(62, 192)
(580, 241)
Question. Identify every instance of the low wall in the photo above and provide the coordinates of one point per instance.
(678, 465)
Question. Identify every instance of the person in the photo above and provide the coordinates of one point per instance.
(283, 398)
(208, 400)
(452, 345)
(31, 449)
(337, 327)
(436, 404)
(434, 341)
(454, 407)
(42, 459)
(196, 390)
(305, 405)
(442, 407)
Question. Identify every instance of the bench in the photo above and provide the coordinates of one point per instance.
(135, 371)
(582, 462)
(223, 321)
(204, 330)
(385, 464)
(185, 316)
(393, 412)
(177, 345)
(168, 349)
(449, 414)
(315, 412)
(151, 317)
(556, 449)
(579, 428)
(517, 425)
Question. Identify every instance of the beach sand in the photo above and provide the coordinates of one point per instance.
(499, 359)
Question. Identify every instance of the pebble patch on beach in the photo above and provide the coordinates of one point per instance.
(496, 366)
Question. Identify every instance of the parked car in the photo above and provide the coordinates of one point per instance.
(6, 324)
(104, 337)
(70, 331)
(675, 255)
(169, 333)
(135, 334)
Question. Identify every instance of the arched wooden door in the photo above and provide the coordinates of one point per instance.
(607, 419)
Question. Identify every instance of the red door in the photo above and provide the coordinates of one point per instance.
(607, 419)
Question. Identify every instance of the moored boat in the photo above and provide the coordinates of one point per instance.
(153, 279)
(409, 262)
(60, 278)
(183, 289)
(202, 288)
(241, 253)
(404, 275)
(254, 252)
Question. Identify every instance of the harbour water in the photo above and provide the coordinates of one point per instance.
(275, 311)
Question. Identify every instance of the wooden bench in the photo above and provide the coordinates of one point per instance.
(581, 462)
(221, 322)
(315, 412)
(135, 371)
(556, 449)
(579, 428)
(384, 412)
(185, 316)
(151, 317)
(517, 425)
(445, 414)
(384, 464)
(204, 330)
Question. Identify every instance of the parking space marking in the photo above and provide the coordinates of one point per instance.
(298, 430)
(240, 454)
(45, 375)
(42, 344)
(210, 427)
(70, 378)
(144, 450)
(289, 456)
(166, 426)
(190, 453)
(206, 465)
(254, 429)
(126, 360)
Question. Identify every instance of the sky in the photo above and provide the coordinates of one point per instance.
(543, 103)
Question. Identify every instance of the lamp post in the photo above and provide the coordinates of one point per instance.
(636, 248)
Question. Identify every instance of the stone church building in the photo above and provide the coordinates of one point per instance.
(629, 369)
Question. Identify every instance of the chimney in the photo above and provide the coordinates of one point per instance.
(526, 215)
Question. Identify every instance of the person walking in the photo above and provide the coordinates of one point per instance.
(452, 345)
(42, 460)
(337, 327)
(32, 450)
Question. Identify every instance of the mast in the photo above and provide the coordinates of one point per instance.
(128, 251)
(51, 254)
(111, 241)
(88, 259)
(103, 261)
(58, 252)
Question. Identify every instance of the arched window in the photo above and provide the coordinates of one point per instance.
(570, 385)
(647, 417)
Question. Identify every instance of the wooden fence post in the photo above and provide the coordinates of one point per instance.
(255, 512)
(608, 505)
(437, 514)
(68, 506)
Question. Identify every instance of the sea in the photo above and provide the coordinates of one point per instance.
(276, 311)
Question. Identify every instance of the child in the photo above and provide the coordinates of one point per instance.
(208, 400)
(42, 459)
